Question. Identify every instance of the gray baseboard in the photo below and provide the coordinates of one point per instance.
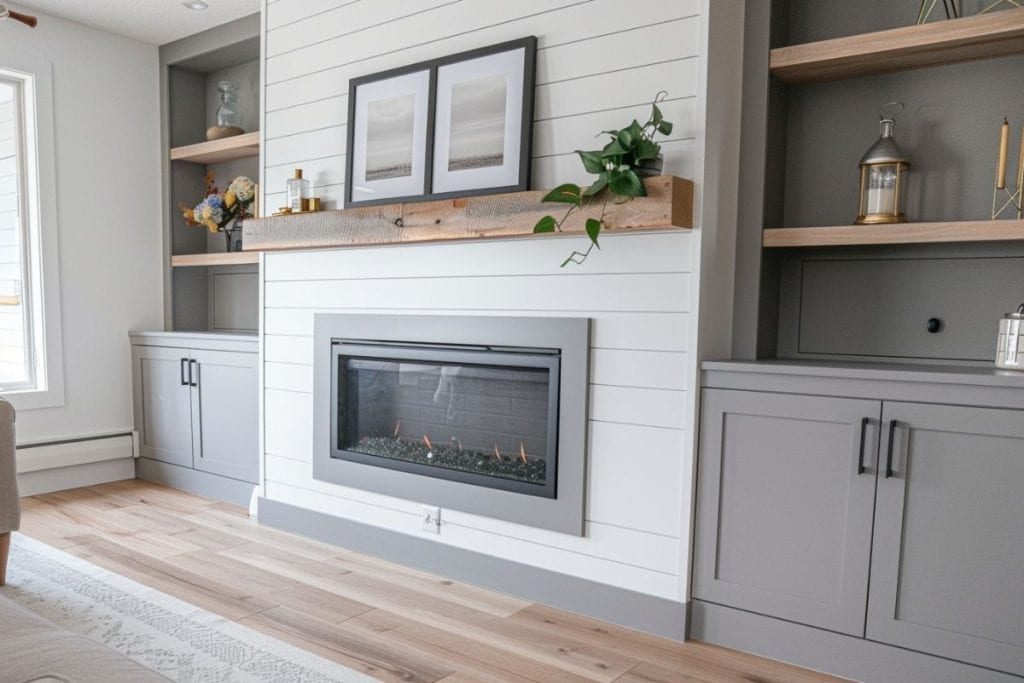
(194, 481)
(75, 476)
(840, 655)
(617, 605)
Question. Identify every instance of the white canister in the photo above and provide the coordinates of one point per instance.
(1010, 351)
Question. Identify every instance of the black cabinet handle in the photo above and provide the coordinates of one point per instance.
(860, 456)
(184, 382)
(888, 457)
(193, 375)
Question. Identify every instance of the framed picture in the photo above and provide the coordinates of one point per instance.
(483, 111)
(389, 133)
(455, 126)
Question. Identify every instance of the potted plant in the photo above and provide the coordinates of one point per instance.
(630, 155)
(222, 212)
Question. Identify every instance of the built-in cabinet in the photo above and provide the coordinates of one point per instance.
(196, 411)
(901, 522)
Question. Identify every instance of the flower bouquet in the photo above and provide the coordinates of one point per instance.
(222, 212)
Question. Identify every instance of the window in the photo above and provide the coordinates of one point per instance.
(30, 359)
(17, 338)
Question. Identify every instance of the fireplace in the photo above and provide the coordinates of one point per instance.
(481, 415)
(484, 415)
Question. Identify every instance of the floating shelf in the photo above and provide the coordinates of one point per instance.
(901, 233)
(216, 151)
(667, 206)
(233, 258)
(998, 34)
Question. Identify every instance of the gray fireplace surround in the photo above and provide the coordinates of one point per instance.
(557, 347)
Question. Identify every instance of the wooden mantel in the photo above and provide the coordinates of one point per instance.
(668, 205)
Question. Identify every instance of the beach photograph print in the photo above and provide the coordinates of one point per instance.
(477, 137)
(389, 137)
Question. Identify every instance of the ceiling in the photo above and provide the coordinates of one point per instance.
(151, 21)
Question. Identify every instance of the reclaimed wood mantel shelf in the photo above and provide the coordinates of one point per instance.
(668, 205)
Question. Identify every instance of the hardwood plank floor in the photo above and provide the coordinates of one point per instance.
(389, 621)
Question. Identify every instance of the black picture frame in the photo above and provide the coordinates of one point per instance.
(529, 46)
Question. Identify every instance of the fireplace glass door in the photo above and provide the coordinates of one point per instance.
(476, 415)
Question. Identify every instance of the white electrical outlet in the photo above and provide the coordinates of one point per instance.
(430, 519)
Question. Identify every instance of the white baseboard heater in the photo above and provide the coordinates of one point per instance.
(48, 455)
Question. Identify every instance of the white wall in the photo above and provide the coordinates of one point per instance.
(598, 67)
(106, 120)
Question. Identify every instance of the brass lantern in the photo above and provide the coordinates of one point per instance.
(883, 175)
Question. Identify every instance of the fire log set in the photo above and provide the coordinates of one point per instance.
(453, 456)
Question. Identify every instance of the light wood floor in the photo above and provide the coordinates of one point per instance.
(391, 622)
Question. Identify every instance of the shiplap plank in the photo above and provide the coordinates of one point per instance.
(620, 88)
(343, 20)
(628, 331)
(632, 405)
(663, 252)
(547, 171)
(629, 546)
(283, 12)
(468, 16)
(561, 135)
(612, 367)
(616, 90)
(659, 292)
(635, 477)
(563, 38)
(577, 564)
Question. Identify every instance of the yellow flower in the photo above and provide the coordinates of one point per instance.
(211, 226)
(229, 199)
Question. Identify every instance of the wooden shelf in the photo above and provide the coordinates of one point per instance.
(215, 151)
(943, 42)
(234, 258)
(901, 233)
(667, 206)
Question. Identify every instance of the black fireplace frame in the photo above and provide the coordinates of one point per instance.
(476, 355)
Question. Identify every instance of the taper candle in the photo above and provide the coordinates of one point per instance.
(1004, 152)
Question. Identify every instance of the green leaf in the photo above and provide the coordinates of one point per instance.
(636, 131)
(656, 116)
(599, 184)
(665, 127)
(625, 139)
(568, 193)
(626, 183)
(593, 230)
(645, 149)
(546, 224)
(591, 161)
(613, 149)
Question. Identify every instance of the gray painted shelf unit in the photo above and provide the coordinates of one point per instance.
(864, 520)
(196, 411)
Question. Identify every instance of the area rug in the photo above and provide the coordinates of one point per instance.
(160, 632)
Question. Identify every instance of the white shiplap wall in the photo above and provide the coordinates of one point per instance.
(598, 66)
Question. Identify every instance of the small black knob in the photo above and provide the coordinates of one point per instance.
(934, 325)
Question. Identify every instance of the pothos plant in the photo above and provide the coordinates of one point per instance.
(616, 166)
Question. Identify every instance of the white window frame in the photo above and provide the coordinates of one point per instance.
(37, 194)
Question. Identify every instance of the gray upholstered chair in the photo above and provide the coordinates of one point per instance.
(10, 504)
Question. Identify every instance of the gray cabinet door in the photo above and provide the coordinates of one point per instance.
(947, 571)
(225, 413)
(162, 404)
(784, 512)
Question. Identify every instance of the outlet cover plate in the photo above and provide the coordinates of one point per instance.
(430, 519)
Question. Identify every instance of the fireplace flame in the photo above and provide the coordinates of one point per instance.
(426, 440)
(398, 425)
(522, 453)
(497, 453)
